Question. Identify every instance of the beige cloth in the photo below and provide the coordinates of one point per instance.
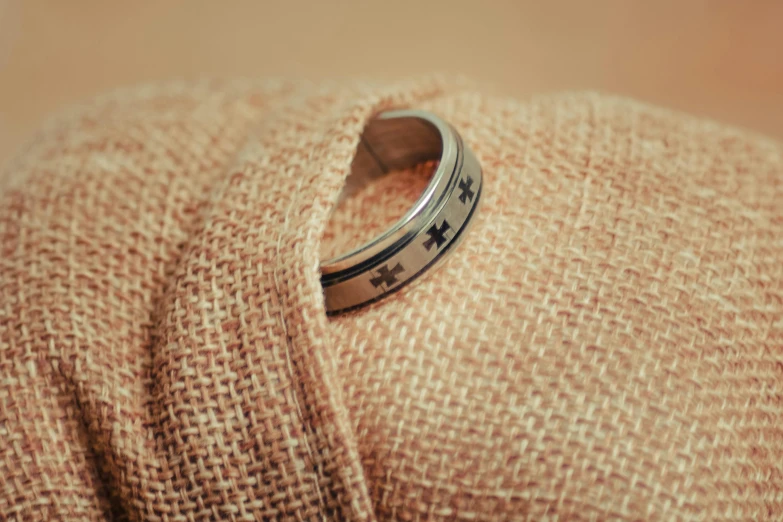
(607, 343)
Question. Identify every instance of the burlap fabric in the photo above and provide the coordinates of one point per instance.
(606, 344)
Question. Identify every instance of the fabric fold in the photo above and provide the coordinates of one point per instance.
(606, 343)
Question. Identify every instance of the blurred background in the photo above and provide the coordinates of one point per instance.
(719, 59)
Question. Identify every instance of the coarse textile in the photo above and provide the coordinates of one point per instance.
(607, 343)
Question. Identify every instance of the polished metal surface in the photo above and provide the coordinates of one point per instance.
(430, 230)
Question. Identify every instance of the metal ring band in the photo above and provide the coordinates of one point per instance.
(429, 230)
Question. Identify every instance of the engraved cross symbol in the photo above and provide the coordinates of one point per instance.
(386, 276)
(467, 194)
(437, 235)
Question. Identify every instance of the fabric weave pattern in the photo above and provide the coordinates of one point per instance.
(607, 343)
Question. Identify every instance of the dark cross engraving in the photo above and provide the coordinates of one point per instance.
(437, 235)
(386, 276)
(467, 194)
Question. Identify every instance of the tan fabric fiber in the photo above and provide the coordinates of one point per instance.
(607, 343)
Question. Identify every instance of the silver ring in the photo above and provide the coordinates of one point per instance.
(429, 231)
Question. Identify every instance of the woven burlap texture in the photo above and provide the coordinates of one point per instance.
(607, 343)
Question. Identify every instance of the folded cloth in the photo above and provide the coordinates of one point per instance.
(606, 343)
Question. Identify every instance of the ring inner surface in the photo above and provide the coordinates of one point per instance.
(408, 146)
